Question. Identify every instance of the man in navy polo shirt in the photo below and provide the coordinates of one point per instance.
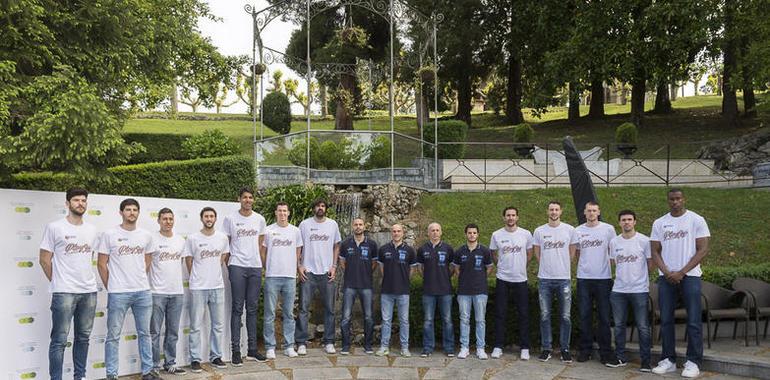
(473, 261)
(397, 260)
(434, 258)
(358, 256)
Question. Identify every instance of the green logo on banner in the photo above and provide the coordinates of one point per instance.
(24, 264)
(22, 210)
(98, 365)
(28, 375)
(99, 314)
(130, 337)
(26, 320)
(186, 330)
(94, 212)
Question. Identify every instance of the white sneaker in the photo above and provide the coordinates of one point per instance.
(406, 353)
(497, 353)
(463, 353)
(481, 354)
(290, 352)
(302, 349)
(690, 370)
(664, 366)
(524, 354)
(383, 351)
(329, 349)
(270, 354)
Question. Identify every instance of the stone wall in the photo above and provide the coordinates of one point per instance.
(740, 154)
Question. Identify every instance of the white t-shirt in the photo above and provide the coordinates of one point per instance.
(594, 246)
(244, 234)
(166, 267)
(677, 239)
(282, 244)
(511, 250)
(554, 245)
(630, 255)
(126, 265)
(206, 253)
(319, 240)
(73, 251)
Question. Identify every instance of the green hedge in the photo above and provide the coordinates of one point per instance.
(448, 131)
(206, 178)
(159, 147)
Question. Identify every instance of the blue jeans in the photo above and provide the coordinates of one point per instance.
(386, 304)
(428, 333)
(306, 289)
(547, 290)
(117, 305)
(638, 303)
(588, 292)
(348, 299)
(285, 287)
(244, 287)
(479, 303)
(168, 307)
(690, 288)
(214, 301)
(64, 308)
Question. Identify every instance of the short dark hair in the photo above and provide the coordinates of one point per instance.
(245, 189)
(554, 202)
(128, 202)
(675, 190)
(164, 210)
(505, 210)
(626, 212)
(471, 225)
(282, 203)
(203, 211)
(318, 202)
(76, 191)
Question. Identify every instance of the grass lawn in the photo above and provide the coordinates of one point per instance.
(734, 216)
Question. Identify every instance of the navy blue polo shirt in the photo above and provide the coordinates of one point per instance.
(358, 262)
(396, 264)
(435, 261)
(473, 269)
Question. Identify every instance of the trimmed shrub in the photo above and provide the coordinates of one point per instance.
(448, 131)
(378, 153)
(298, 152)
(626, 133)
(329, 155)
(210, 143)
(523, 133)
(276, 112)
(158, 147)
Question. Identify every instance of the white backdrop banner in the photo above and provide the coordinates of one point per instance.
(26, 306)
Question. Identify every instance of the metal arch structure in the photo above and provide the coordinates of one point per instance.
(391, 11)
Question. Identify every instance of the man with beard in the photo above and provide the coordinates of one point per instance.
(512, 249)
(473, 262)
(280, 252)
(246, 230)
(317, 269)
(167, 292)
(679, 242)
(205, 252)
(66, 252)
(125, 254)
(435, 257)
(553, 246)
(358, 256)
(594, 283)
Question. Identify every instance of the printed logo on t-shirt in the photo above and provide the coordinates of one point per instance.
(586, 243)
(441, 258)
(671, 235)
(127, 250)
(401, 256)
(553, 244)
(511, 249)
(388, 255)
(281, 243)
(168, 256)
(365, 253)
(73, 248)
(207, 254)
(318, 237)
(477, 263)
(621, 259)
(463, 258)
(245, 232)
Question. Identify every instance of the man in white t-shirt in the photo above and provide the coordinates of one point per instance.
(167, 292)
(280, 251)
(317, 270)
(630, 251)
(125, 254)
(246, 230)
(594, 283)
(553, 246)
(679, 241)
(205, 252)
(512, 249)
(66, 252)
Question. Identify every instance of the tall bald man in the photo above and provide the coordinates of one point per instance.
(434, 258)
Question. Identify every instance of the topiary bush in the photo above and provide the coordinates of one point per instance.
(448, 131)
(276, 112)
(626, 133)
(209, 143)
(523, 133)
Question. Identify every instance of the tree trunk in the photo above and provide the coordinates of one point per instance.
(596, 109)
(343, 119)
(623, 94)
(174, 97)
(662, 98)
(638, 89)
(324, 102)
(720, 83)
(464, 98)
(729, 52)
(674, 92)
(749, 101)
(573, 112)
(422, 106)
(513, 114)
(695, 83)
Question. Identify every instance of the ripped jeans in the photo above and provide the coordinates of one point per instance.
(547, 290)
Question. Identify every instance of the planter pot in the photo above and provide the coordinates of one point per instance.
(626, 149)
(524, 150)
(259, 68)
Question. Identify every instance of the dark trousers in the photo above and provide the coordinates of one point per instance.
(504, 291)
(590, 291)
(668, 294)
(245, 284)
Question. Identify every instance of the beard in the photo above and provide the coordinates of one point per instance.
(77, 212)
(320, 213)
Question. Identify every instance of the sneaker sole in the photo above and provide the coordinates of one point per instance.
(196, 370)
(544, 360)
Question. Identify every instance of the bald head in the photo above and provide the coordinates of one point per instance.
(434, 232)
(397, 233)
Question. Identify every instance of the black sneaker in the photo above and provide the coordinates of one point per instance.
(566, 357)
(218, 363)
(544, 356)
(645, 367)
(256, 356)
(615, 363)
(237, 359)
(584, 356)
(151, 376)
(195, 367)
(425, 354)
(174, 370)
